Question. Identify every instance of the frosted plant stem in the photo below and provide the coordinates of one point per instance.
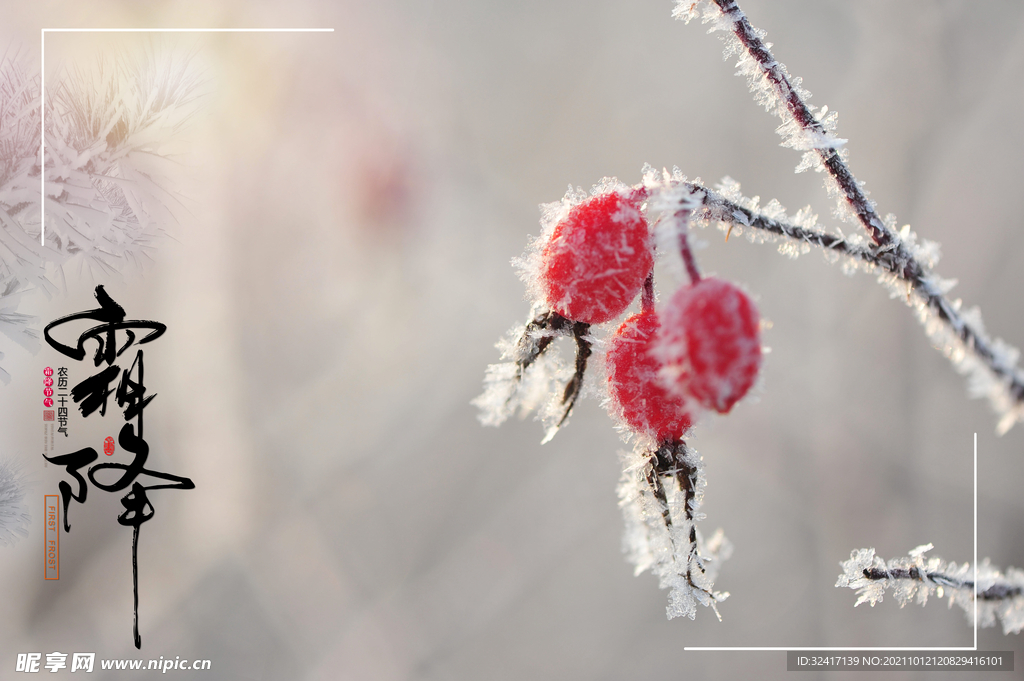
(896, 261)
(536, 338)
(580, 331)
(804, 118)
(996, 592)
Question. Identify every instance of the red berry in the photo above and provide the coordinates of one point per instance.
(710, 343)
(597, 259)
(635, 386)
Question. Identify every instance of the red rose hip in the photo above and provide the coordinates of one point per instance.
(637, 393)
(597, 258)
(710, 343)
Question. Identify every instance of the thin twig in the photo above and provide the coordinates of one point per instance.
(996, 592)
(1000, 595)
(802, 115)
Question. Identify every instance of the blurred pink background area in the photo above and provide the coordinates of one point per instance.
(339, 275)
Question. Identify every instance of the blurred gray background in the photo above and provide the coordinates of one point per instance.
(334, 296)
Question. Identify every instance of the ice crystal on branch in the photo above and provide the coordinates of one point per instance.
(803, 127)
(1000, 596)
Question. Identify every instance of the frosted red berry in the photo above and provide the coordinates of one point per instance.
(597, 258)
(710, 343)
(637, 392)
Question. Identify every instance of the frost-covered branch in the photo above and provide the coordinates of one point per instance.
(1000, 595)
(804, 127)
(660, 494)
(906, 270)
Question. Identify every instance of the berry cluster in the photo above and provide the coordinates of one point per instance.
(701, 352)
(664, 367)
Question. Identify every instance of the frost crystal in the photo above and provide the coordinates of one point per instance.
(915, 578)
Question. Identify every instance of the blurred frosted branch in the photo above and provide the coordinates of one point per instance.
(1000, 596)
(13, 516)
(108, 184)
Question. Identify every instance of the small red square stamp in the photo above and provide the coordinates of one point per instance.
(47, 414)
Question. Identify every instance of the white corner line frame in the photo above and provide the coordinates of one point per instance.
(42, 85)
(973, 648)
